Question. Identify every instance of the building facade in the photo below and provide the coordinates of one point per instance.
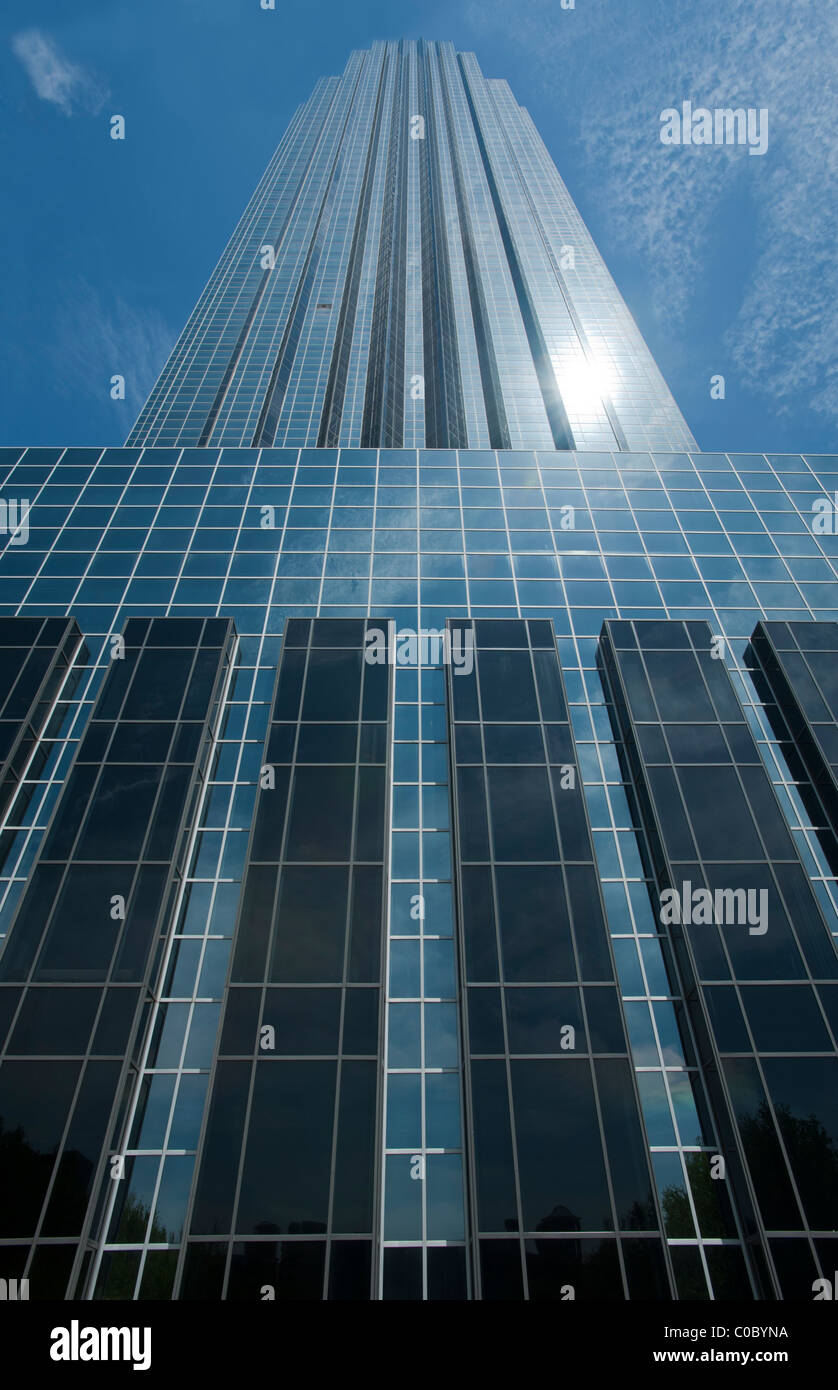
(418, 761)
(411, 271)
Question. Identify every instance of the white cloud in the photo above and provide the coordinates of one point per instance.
(93, 341)
(618, 67)
(55, 78)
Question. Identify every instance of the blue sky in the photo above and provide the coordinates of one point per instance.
(727, 261)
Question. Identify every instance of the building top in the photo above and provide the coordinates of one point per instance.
(412, 271)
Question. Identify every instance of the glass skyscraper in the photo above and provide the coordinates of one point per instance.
(417, 774)
(411, 271)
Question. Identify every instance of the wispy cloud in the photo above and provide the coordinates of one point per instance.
(94, 340)
(55, 77)
(618, 67)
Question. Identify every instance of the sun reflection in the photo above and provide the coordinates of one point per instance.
(582, 383)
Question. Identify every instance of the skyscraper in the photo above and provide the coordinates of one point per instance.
(411, 270)
(418, 840)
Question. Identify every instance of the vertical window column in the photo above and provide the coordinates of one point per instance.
(563, 1202)
(87, 938)
(424, 1193)
(795, 668)
(284, 1205)
(35, 656)
(754, 951)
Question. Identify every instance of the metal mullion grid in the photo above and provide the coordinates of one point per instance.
(280, 864)
(683, 1025)
(43, 737)
(395, 1070)
(184, 352)
(488, 252)
(134, 477)
(466, 1068)
(83, 1061)
(33, 1240)
(161, 1003)
(461, 1042)
(135, 866)
(497, 281)
(709, 604)
(114, 507)
(422, 994)
(380, 1159)
(266, 613)
(358, 358)
(347, 934)
(228, 1239)
(246, 1125)
(769, 861)
(810, 979)
(695, 1073)
(426, 1071)
(199, 1152)
(643, 533)
(512, 553)
(369, 172)
(735, 549)
(695, 1079)
(681, 1149)
(804, 1229)
(390, 879)
(780, 774)
(328, 526)
(55, 779)
(733, 977)
(370, 573)
(51, 476)
(699, 1240)
(808, 615)
(346, 176)
(606, 552)
(423, 1071)
(830, 559)
(544, 388)
(188, 549)
(465, 563)
(448, 415)
(209, 329)
(517, 186)
(235, 546)
(557, 553)
(64, 526)
(302, 228)
(580, 978)
(263, 303)
(804, 653)
(8, 468)
(783, 780)
(379, 1246)
(387, 311)
(473, 1224)
(771, 747)
(217, 877)
(414, 410)
(137, 1070)
(461, 250)
(806, 519)
(71, 853)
